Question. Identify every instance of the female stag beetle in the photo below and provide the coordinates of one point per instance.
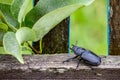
(87, 56)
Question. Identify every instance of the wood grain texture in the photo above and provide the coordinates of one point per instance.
(114, 23)
(56, 41)
(49, 67)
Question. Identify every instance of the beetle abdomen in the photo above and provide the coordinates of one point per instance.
(91, 58)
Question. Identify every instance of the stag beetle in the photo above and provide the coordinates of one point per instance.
(87, 56)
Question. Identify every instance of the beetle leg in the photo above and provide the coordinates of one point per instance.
(68, 60)
(78, 63)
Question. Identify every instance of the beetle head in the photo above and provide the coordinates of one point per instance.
(77, 50)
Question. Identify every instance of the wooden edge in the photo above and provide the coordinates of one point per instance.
(44, 62)
(50, 67)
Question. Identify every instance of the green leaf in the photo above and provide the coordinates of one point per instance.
(50, 20)
(12, 46)
(25, 34)
(3, 27)
(40, 9)
(45, 6)
(16, 6)
(3, 19)
(6, 1)
(26, 50)
(7, 17)
(19, 8)
(3, 30)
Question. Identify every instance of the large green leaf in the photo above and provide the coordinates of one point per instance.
(6, 1)
(25, 34)
(19, 8)
(45, 6)
(16, 6)
(50, 20)
(11, 46)
(5, 12)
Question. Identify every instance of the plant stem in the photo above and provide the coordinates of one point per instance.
(33, 49)
(41, 46)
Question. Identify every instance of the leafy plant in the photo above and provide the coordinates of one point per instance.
(18, 25)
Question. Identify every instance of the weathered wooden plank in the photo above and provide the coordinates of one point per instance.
(49, 67)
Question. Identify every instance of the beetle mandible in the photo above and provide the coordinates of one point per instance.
(87, 56)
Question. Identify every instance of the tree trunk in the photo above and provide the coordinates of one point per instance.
(114, 27)
(56, 41)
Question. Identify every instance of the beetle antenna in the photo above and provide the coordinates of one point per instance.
(71, 48)
(76, 42)
(73, 45)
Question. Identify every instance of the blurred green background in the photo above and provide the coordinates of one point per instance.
(88, 26)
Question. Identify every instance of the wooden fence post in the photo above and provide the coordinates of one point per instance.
(114, 27)
(56, 41)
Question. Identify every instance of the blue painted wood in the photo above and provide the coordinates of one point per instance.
(69, 36)
(108, 26)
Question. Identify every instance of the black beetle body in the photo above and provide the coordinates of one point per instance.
(86, 55)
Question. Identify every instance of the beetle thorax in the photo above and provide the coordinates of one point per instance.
(77, 50)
